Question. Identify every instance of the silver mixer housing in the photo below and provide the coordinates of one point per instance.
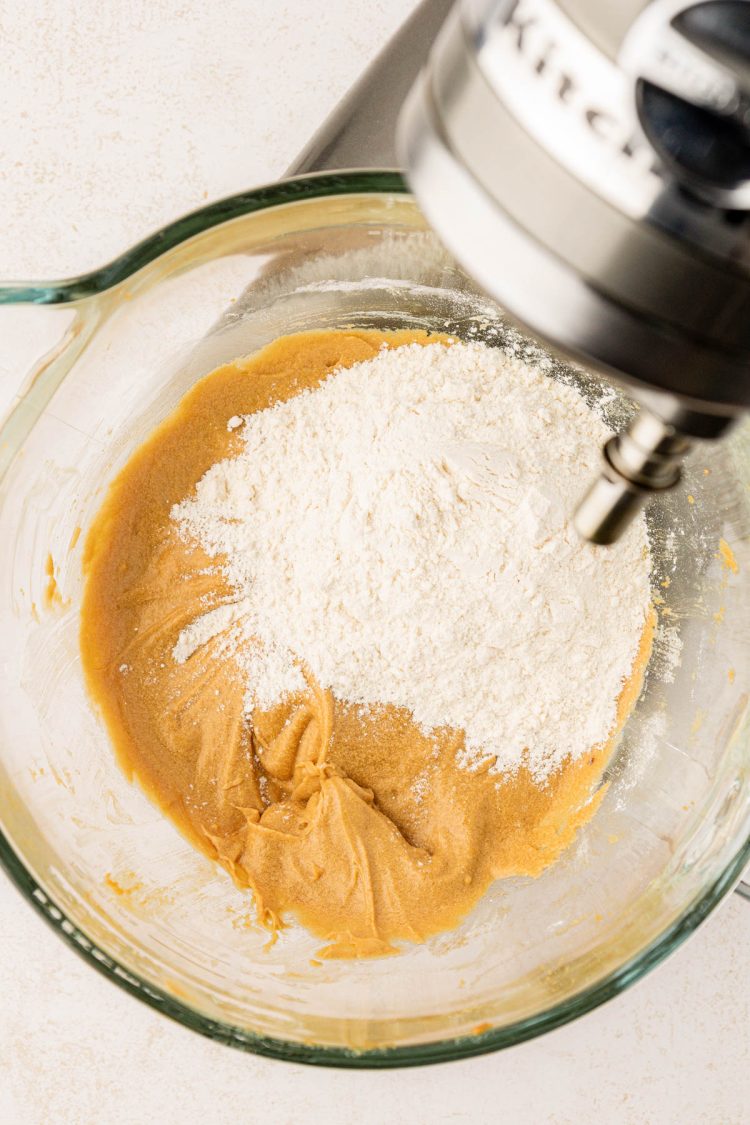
(588, 163)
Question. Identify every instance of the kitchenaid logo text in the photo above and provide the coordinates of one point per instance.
(562, 60)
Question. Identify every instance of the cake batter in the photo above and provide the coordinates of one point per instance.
(353, 819)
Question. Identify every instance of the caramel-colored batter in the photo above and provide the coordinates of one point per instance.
(356, 822)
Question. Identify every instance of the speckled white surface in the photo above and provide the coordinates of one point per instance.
(112, 124)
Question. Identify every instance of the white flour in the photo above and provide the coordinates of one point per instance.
(402, 531)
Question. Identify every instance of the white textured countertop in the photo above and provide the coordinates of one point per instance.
(112, 125)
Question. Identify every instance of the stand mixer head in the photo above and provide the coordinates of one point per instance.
(589, 165)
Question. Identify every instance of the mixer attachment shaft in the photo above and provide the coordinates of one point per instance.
(643, 459)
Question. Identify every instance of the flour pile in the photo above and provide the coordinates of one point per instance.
(401, 531)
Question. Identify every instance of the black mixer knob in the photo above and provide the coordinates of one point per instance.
(694, 97)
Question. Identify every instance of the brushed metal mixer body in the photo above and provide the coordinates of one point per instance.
(588, 164)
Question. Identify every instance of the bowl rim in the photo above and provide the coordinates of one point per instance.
(282, 193)
(153, 246)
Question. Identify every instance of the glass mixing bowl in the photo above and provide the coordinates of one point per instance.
(108, 870)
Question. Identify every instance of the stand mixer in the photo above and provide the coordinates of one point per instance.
(637, 266)
(589, 165)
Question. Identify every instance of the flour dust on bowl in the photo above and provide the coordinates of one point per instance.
(112, 873)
